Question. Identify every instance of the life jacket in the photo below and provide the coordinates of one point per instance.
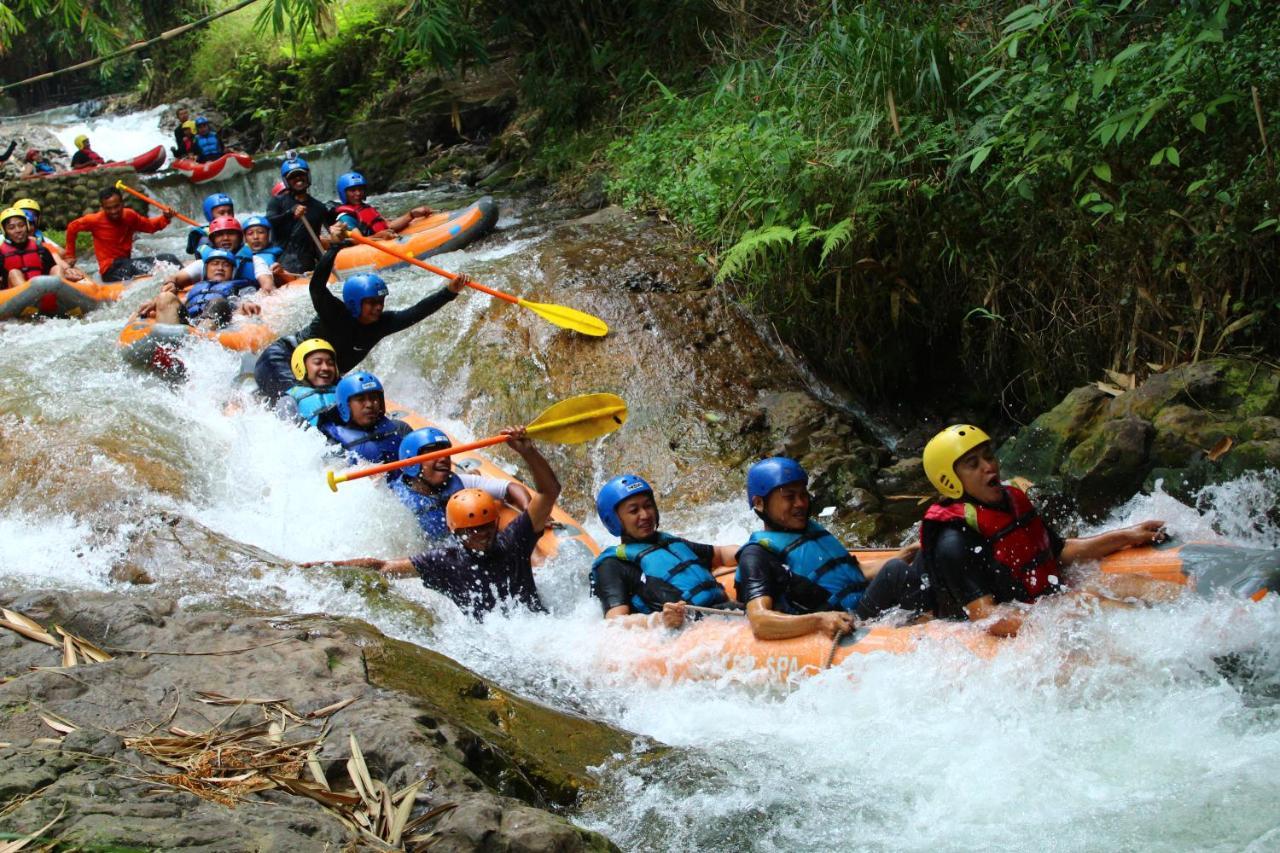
(244, 261)
(817, 558)
(368, 220)
(1018, 538)
(312, 400)
(271, 254)
(204, 292)
(25, 257)
(44, 168)
(429, 509)
(380, 443)
(39, 237)
(208, 145)
(669, 561)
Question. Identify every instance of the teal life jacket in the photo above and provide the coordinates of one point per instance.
(428, 509)
(312, 401)
(667, 561)
(817, 557)
(204, 292)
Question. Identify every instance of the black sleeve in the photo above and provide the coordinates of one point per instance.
(396, 321)
(705, 553)
(760, 573)
(614, 582)
(953, 569)
(332, 312)
(46, 259)
(279, 214)
(1056, 542)
(8, 152)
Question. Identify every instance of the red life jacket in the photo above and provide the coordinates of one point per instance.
(1018, 538)
(371, 222)
(25, 257)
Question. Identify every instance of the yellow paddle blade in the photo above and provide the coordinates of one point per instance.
(580, 418)
(568, 318)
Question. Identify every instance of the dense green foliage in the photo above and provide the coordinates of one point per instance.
(927, 195)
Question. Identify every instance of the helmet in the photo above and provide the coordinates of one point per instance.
(216, 200)
(293, 164)
(81, 141)
(470, 508)
(346, 181)
(10, 213)
(225, 223)
(944, 450)
(218, 255)
(257, 222)
(615, 492)
(27, 204)
(351, 385)
(769, 474)
(189, 125)
(31, 155)
(298, 360)
(201, 120)
(422, 441)
(278, 188)
(358, 288)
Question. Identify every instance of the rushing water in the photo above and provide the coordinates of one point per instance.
(1119, 730)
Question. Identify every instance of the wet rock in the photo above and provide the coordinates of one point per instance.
(498, 758)
(1185, 428)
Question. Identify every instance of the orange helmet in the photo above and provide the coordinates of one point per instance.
(470, 508)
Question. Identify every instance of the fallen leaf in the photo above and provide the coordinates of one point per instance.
(1108, 388)
(58, 725)
(68, 651)
(1220, 449)
(330, 710)
(17, 844)
(1126, 381)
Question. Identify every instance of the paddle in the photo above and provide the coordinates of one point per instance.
(570, 421)
(565, 318)
(120, 185)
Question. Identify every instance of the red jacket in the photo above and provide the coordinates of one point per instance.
(113, 240)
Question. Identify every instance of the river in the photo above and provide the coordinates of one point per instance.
(1116, 731)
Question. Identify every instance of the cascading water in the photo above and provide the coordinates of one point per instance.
(1115, 730)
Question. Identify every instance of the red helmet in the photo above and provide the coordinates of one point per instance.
(32, 154)
(225, 223)
(470, 508)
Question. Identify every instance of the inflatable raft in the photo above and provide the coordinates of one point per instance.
(146, 343)
(52, 296)
(715, 644)
(229, 164)
(434, 235)
(148, 161)
(564, 535)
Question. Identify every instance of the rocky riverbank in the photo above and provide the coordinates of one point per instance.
(201, 729)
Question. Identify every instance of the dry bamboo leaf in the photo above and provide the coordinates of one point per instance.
(321, 795)
(363, 769)
(354, 772)
(40, 636)
(330, 710)
(58, 725)
(1155, 368)
(22, 619)
(68, 651)
(90, 651)
(1220, 449)
(1108, 388)
(317, 772)
(210, 698)
(422, 819)
(275, 733)
(46, 741)
(399, 817)
(17, 844)
(1126, 381)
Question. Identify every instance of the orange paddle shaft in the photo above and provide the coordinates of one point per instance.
(408, 258)
(120, 185)
(346, 477)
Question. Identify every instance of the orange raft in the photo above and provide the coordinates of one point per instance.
(52, 296)
(713, 645)
(564, 535)
(434, 235)
(146, 343)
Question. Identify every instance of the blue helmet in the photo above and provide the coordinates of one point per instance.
(346, 181)
(352, 385)
(615, 492)
(422, 441)
(216, 200)
(768, 474)
(218, 255)
(358, 288)
(294, 164)
(257, 221)
(201, 120)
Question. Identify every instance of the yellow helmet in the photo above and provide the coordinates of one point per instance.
(189, 125)
(9, 213)
(27, 204)
(81, 141)
(304, 349)
(944, 450)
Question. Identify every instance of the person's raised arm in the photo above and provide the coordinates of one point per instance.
(545, 483)
(518, 496)
(328, 306)
(1096, 547)
(396, 321)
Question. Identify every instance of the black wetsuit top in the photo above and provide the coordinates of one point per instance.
(352, 341)
(962, 568)
(299, 250)
(615, 581)
(478, 583)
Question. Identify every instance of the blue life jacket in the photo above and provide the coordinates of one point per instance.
(312, 401)
(244, 261)
(44, 168)
(271, 254)
(41, 239)
(668, 560)
(817, 557)
(198, 242)
(429, 509)
(208, 146)
(380, 443)
(202, 293)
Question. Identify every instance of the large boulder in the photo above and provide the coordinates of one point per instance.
(1186, 427)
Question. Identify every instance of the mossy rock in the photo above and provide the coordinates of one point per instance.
(1111, 464)
(1039, 449)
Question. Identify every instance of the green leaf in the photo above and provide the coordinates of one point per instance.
(1157, 158)
(1266, 223)
(1171, 154)
(1107, 132)
(993, 77)
(1214, 36)
(979, 156)
(1129, 52)
(1194, 186)
(1199, 122)
(1103, 171)
(1070, 103)
(1088, 198)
